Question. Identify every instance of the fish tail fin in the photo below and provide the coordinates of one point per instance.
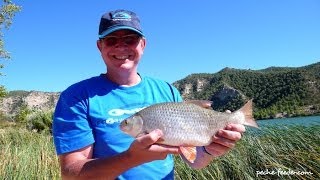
(247, 111)
(190, 153)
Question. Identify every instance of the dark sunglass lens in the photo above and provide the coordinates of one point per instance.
(110, 41)
(131, 40)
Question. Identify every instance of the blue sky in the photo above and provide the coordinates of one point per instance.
(53, 43)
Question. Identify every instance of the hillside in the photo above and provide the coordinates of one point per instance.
(34, 101)
(276, 91)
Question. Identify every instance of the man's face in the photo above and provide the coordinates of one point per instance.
(121, 50)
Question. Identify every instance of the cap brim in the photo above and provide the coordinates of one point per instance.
(116, 28)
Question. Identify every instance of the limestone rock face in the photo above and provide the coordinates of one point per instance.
(33, 100)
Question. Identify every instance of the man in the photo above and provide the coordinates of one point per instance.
(86, 121)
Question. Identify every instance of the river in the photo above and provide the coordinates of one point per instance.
(304, 121)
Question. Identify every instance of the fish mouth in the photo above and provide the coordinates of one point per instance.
(123, 127)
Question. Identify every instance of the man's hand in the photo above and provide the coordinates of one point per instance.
(225, 139)
(145, 148)
(80, 164)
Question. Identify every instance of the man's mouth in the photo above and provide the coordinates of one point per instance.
(124, 57)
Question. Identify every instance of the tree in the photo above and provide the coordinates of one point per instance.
(7, 11)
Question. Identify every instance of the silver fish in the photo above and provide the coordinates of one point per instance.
(185, 124)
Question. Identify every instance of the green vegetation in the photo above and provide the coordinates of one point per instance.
(289, 91)
(27, 155)
(7, 11)
(38, 121)
(20, 93)
(293, 149)
(30, 155)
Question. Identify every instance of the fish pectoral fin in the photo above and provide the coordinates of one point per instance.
(202, 103)
(190, 153)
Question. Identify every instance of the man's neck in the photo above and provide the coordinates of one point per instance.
(124, 79)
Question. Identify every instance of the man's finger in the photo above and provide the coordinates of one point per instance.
(165, 149)
(231, 135)
(236, 127)
(217, 149)
(151, 138)
(224, 142)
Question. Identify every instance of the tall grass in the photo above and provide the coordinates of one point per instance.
(269, 153)
(27, 155)
(294, 150)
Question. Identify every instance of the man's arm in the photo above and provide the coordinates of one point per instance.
(80, 165)
(223, 142)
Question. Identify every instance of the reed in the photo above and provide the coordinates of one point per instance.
(27, 155)
(289, 152)
(270, 153)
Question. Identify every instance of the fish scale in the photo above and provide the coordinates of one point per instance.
(185, 124)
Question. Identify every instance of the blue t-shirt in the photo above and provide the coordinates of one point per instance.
(90, 111)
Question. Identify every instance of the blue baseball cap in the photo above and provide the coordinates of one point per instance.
(118, 20)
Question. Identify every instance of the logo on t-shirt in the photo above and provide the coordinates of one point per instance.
(117, 115)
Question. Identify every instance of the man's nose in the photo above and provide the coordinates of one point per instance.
(120, 43)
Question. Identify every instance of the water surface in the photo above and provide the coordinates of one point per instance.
(303, 121)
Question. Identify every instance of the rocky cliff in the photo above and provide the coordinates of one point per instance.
(33, 100)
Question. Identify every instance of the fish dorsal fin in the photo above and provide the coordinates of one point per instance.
(190, 153)
(202, 103)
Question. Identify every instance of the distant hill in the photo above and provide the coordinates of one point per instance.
(32, 100)
(276, 91)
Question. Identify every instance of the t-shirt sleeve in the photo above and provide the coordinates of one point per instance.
(71, 127)
(175, 93)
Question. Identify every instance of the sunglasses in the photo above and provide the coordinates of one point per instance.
(130, 39)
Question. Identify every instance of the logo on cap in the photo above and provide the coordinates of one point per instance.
(120, 16)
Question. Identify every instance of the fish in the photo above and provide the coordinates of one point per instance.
(186, 124)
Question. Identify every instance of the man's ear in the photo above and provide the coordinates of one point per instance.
(143, 43)
(99, 45)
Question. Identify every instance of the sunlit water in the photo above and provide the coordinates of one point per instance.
(284, 123)
(303, 121)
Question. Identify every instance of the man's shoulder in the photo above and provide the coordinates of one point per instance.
(153, 80)
(163, 87)
(83, 85)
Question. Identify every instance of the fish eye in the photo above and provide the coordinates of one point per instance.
(126, 122)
